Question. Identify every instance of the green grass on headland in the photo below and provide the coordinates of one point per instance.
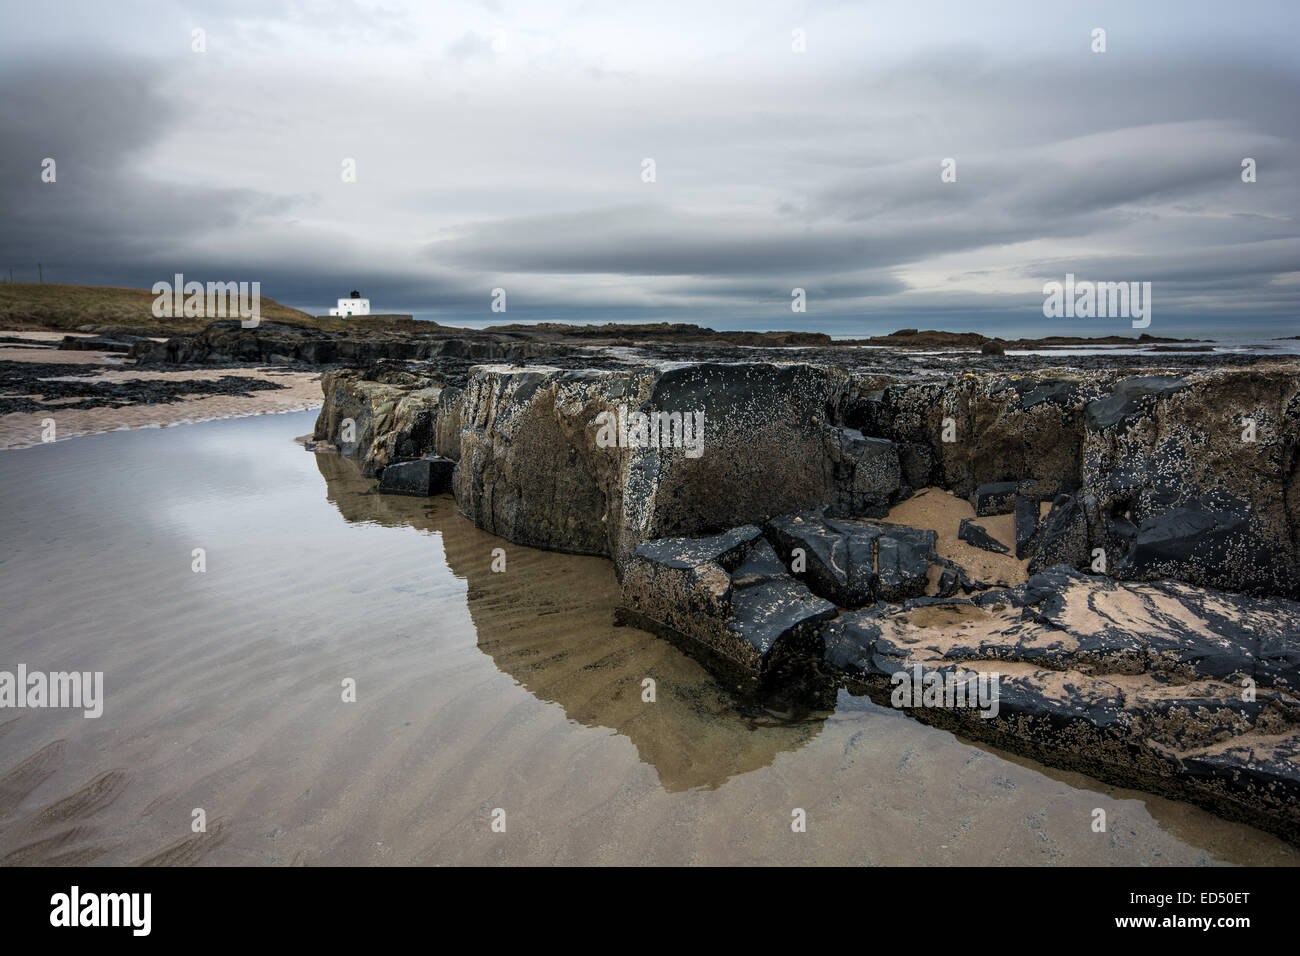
(48, 305)
(56, 307)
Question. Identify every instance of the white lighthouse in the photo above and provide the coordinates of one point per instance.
(355, 305)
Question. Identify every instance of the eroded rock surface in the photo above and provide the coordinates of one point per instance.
(730, 593)
(378, 415)
(1150, 469)
(1172, 687)
(1195, 477)
(853, 562)
(284, 343)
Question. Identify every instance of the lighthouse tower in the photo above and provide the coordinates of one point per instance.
(353, 305)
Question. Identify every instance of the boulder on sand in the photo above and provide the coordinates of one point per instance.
(729, 593)
(854, 562)
(973, 534)
(420, 478)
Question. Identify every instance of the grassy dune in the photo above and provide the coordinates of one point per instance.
(25, 305)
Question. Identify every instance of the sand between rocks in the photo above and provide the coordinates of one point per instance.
(937, 510)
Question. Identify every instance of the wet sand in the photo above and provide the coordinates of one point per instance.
(937, 510)
(22, 429)
(476, 690)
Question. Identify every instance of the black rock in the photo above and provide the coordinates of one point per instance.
(948, 582)
(420, 478)
(1062, 393)
(779, 611)
(903, 559)
(760, 566)
(1199, 534)
(728, 550)
(851, 643)
(1026, 526)
(730, 598)
(1063, 537)
(120, 344)
(867, 472)
(1094, 668)
(995, 498)
(837, 564)
(854, 562)
(1129, 398)
(917, 461)
(973, 534)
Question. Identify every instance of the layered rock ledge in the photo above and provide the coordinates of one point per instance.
(1146, 477)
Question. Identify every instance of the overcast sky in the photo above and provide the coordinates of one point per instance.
(501, 144)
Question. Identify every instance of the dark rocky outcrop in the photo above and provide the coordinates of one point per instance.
(1195, 477)
(379, 414)
(1164, 685)
(420, 477)
(280, 343)
(1175, 688)
(54, 387)
(1155, 463)
(979, 430)
(730, 594)
(995, 498)
(1026, 526)
(1062, 536)
(120, 343)
(1136, 677)
(284, 343)
(533, 471)
(854, 563)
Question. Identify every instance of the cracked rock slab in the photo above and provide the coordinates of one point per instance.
(729, 594)
(854, 562)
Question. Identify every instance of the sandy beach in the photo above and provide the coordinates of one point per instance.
(20, 429)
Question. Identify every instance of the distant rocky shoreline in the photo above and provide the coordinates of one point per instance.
(281, 342)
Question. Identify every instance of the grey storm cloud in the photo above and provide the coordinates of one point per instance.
(96, 119)
(501, 146)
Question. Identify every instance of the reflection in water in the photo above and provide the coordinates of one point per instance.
(546, 621)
